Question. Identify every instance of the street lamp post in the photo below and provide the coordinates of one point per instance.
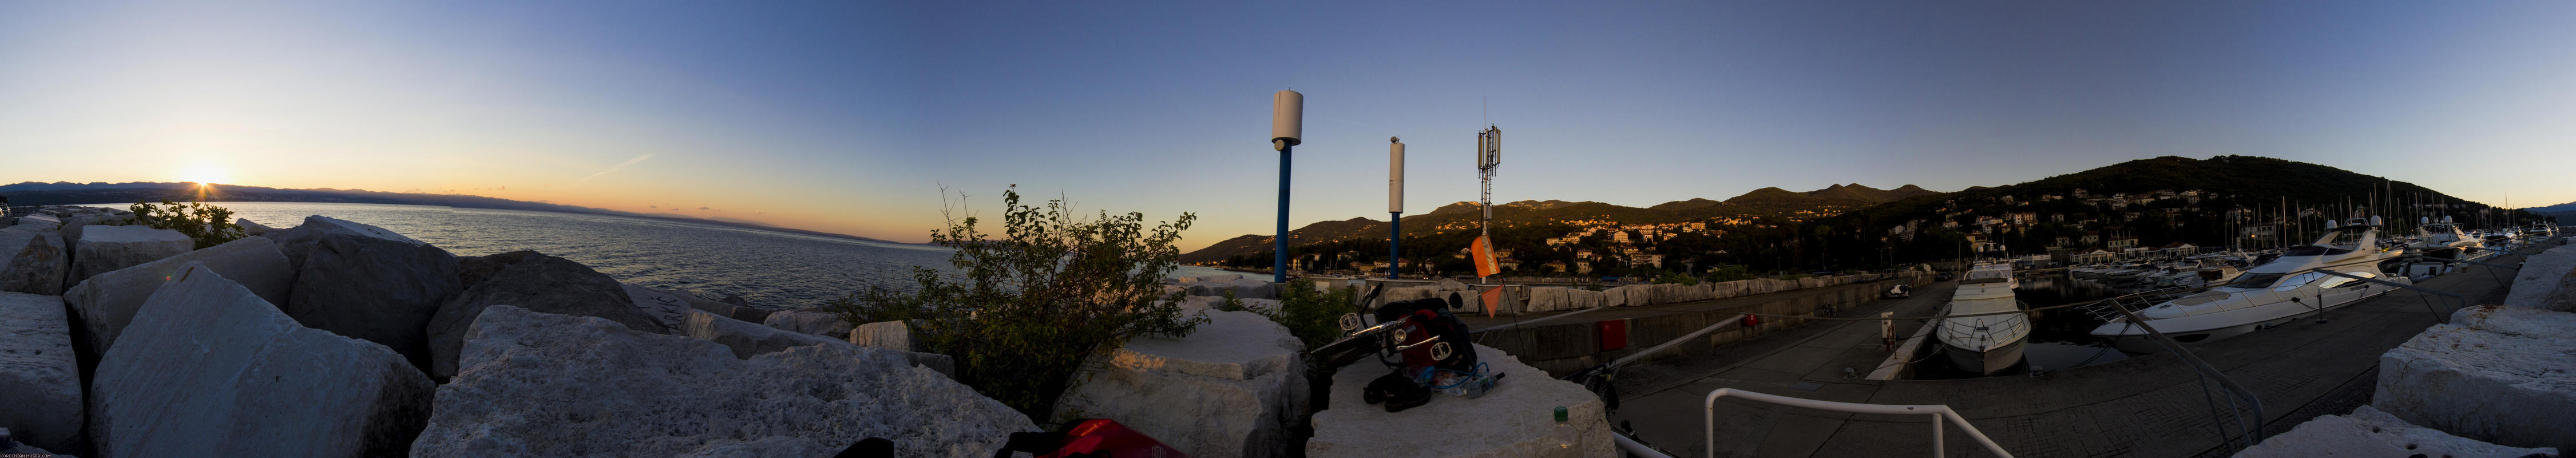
(1287, 121)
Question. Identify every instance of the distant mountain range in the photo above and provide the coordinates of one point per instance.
(2566, 212)
(68, 193)
(1765, 202)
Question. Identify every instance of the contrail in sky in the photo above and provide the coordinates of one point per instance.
(613, 169)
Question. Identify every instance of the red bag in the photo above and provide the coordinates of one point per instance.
(1102, 438)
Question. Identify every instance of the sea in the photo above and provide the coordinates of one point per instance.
(771, 269)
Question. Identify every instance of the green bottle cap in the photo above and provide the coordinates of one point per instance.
(1560, 414)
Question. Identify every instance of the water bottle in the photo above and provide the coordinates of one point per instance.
(1564, 433)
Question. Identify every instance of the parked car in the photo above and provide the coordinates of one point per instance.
(1944, 276)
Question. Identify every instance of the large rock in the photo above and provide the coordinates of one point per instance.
(667, 306)
(2505, 375)
(252, 228)
(1233, 388)
(33, 259)
(533, 281)
(39, 379)
(1516, 419)
(2544, 279)
(104, 249)
(810, 321)
(104, 305)
(609, 391)
(209, 369)
(74, 225)
(370, 283)
(2370, 432)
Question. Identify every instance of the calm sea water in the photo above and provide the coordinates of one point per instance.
(772, 269)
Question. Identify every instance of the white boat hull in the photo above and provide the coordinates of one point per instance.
(1984, 362)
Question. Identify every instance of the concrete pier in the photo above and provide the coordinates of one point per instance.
(2147, 406)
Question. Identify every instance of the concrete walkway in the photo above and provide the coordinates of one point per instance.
(2149, 406)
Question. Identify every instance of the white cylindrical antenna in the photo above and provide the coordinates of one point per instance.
(1394, 175)
(1287, 118)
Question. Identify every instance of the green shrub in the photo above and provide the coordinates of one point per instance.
(207, 224)
(1313, 316)
(1676, 278)
(1024, 312)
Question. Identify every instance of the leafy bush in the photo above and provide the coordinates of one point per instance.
(1676, 278)
(207, 224)
(1024, 312)
(1313, 316)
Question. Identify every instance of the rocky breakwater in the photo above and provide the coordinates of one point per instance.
(530, 280)
(2546, 281)
(33, 257)
(106, 304)
(208, 368)
(610, 390)
(1549, 299)
(1235, 387)
(366, 282)
(40, 384)
(102, 249)
(2505, 375)
(1516, 419)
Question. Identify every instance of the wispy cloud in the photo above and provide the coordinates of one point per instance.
(620, 165)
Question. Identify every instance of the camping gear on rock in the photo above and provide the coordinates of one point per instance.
(1426, 348)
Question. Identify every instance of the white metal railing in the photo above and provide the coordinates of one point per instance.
(1937, 411)
(1634, 448)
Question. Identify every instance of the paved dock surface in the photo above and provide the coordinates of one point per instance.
(2147, 406)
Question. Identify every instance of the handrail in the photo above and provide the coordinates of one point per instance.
(1937, 411)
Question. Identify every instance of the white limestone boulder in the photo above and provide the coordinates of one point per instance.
(2543, 276)
(370, 283)
(104, 249)
(1446, 284)
(33, 259)
(252, 228)
(530, 280)
(1233, 388)
(105, 304)
(40, 383)
(209, 369)
(39, 221)
(810, 321)
(543, 384)
(2370, 432)
(2505, 375)
(1516, 419)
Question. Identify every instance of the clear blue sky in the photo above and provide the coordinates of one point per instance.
(850, 116)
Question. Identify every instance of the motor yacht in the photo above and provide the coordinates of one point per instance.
(1985, 343)
(2269, 294)
(2442, 239)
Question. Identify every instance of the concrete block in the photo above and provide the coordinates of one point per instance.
(209, 369)
(40, 382)
(2370, 432)
(1516, 419)
(1233, 388)
(2504, 375)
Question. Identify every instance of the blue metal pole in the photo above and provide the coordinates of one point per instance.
(1279, 262)
(1394, 242)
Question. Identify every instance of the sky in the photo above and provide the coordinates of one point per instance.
(858, 117)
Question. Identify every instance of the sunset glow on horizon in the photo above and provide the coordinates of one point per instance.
(853, 117)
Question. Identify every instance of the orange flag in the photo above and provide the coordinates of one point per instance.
(1483, 251)
(1493, 298)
